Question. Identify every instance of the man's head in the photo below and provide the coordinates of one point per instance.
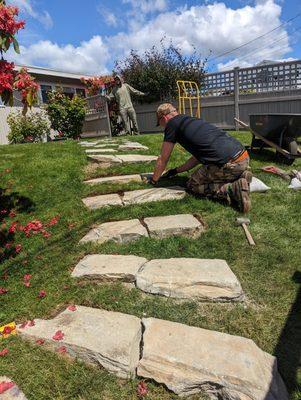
(117, 80)
(165, 112)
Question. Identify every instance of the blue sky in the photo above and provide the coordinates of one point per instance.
(88, 36)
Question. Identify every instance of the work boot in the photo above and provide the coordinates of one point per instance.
(239, 192)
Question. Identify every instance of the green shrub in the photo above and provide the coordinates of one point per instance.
(66, 115)
(156, 71)
(28, 128)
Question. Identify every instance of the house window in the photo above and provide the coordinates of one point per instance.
(44, 91)
(80, 92)
(69, 91)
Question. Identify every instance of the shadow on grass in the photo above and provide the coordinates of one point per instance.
(11, 202)
(288, 348)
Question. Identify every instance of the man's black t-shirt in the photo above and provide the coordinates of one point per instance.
(206, 142)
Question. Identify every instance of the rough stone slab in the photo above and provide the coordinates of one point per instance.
(14, 393)
(96, 151)
(174, 225)
(115, 179)
(136, 158)
(95, 336)
(188, 360)
(102, 146)
(153, 194)
(190, 278)
(118, 231)
(103, 267)
(132, 146)
(105, 158)
(103, 200)
(88, 144)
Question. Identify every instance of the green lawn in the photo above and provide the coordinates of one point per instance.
(45, 180)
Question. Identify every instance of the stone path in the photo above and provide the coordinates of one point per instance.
(119, 158)
(10, 390)
(96, 150)
(116, 179)
(132, 146)
(135, 197)
(182, 278)
(186, 359)
(110, 339)
(156, 227)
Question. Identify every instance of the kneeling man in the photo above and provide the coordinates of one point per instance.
(224, 172)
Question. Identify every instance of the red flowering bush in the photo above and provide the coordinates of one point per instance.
(9, 79)
(96, 83)
(28, 88)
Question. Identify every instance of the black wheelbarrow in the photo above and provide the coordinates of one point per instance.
(279, 131)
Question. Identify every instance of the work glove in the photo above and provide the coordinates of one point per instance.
(170, 173)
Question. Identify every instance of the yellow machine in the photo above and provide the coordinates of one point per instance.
(189, 98)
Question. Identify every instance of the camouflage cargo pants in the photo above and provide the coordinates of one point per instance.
(127, 115)
(208, 179)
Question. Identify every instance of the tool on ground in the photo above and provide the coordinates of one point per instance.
(7, 330)
(244, 222)
(277, 171)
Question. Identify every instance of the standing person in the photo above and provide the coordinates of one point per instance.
(121, 93)
(224, 173)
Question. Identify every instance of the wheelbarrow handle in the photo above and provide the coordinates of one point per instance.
(278, 148)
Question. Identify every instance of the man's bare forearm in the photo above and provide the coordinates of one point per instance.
(159, 169)
(189, 164)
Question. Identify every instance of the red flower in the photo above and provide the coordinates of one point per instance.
(59, 335)
(12, 214)
(3, 290)
(23, 325)
(3, 212)
(46, 234)
(40, 341)
(7, 330)
(4, 352)
(4, 386)
(8, 245)
(142, 389)
(62, 349)
(27, 277)
(18, 248)
(31, 323)
(13, 227)
(42, 294)
(53, 221)
(72, 308)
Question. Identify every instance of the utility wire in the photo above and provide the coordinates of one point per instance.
(253, 40)
(270, 43)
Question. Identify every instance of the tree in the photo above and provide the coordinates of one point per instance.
(157, 70)
(9, 78)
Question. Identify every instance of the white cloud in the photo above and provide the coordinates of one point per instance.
(27, 7)
(89, 57)
(109, 16)
(147, 6)
(212, 27)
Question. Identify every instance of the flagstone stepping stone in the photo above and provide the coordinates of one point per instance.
(153, 194)
(115, 179)
(190, 278)
(88, 144)
(110, 339)
(174, 225)
(96, 151)
(10, 390)
(157, 227)
(103, 200)
(104, 158)
(190, 360)
(101, 146)
(132, 146)
(103, 267)
(117, 231)
(136, 158)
